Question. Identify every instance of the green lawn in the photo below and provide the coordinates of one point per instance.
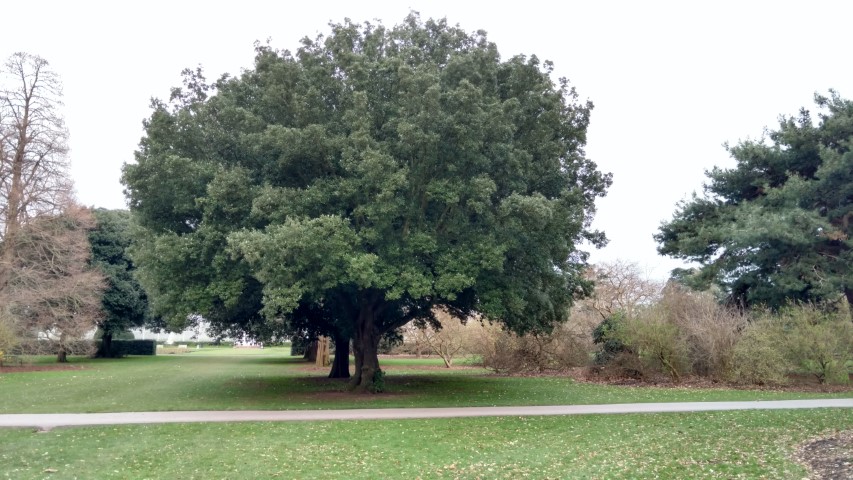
(748, 444)
(724, 445)
(244, 379)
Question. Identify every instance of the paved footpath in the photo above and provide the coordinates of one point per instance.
(49, 421)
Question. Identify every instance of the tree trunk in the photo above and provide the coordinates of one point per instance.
(340, 366)
(14, 199)
(322, 356)
(311, 352)
(106, 350)
(366, 346)
(359, 361)
(62, 355)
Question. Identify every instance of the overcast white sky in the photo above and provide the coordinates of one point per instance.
(671, 81)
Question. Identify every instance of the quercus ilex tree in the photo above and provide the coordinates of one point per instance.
(46, 285)
(377, 174)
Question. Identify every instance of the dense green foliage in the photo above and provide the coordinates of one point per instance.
(605, 335)
(372, 176)
(777, 227)
(124, 302)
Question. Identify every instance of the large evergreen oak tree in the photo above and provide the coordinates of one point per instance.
(777, 227)
(366, 180)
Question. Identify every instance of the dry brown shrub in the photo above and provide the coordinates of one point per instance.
(684, 332)
(569, 345)
(710, 330)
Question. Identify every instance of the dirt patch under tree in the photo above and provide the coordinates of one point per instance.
(829, 457)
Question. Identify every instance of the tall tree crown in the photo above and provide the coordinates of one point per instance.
(776, 227)
(407, 165)
(33, 142)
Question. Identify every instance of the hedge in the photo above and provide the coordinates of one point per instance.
(121, 348)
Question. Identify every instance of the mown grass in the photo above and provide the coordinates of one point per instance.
(269, 379)
(708, 445)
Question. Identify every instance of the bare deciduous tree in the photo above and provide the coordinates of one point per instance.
(448, 339)
(33, 146)
(53, 293)
(620, 286)
(47, 288)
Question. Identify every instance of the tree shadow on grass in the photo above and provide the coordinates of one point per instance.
(273, 360)
(403, 390)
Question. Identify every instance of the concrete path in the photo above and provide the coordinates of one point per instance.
(52, 420)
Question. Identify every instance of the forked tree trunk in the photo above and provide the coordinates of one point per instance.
(322, 357)
(340, 366)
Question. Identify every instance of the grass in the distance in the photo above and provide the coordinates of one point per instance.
(269, 379)
(707, 445)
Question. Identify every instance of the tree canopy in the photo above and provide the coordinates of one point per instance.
(375, 174)
(775, 228)
(124, 302)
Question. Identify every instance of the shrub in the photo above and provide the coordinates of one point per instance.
(120, 348)
(608, 335)
(709, 329)
(8, 334)
(567, 346)
(684, 332)
(818, 342)
(659, 344)
(378, 384)
(389, 341)
(575, 346)
(758, 356)
(117, 335)
(450, 339)
(447, 340)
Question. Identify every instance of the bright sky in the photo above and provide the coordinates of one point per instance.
(671, 81)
